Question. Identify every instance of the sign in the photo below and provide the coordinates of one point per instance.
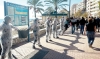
(18, 13)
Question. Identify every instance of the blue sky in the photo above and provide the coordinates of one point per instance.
(24, 2)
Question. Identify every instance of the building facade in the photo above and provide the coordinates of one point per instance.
(93, 7)
(73, 9)
(80, 6)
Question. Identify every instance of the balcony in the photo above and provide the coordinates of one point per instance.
(95, 9)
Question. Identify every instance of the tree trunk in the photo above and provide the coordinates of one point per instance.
(34, 12)
(56, 11)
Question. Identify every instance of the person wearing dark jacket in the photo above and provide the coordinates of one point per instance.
(65, 26)
(77, 24)
(98, 23)
(73, 22)
(90, 29)
(82, 24)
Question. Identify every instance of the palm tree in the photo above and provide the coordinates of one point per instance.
(36, 5)
(57, 4)
(49, 10)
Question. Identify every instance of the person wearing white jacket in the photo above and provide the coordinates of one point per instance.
(48, 25)
(62, 20)
(35, 27)
(6, 38)
(54, 28)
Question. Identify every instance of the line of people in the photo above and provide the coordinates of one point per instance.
(90, 25)
(7, 41)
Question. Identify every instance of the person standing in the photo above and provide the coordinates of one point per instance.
(98, 24)
(6, 38)
(65, 26)
(90, 28)
(77, 24)
(48, 29)
(82, 24)
(61, 25)
(54, 28)
(35, 27)
(73, 22)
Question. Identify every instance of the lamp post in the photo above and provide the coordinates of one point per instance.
(69, 7)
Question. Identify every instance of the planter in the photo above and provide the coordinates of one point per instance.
(23, 33)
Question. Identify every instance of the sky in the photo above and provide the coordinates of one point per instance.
(24, 2)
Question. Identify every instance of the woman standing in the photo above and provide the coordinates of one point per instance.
(6, 38)
(91, 29)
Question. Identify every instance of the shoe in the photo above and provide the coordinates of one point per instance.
(50, 40)
(40, 45)
(53, 37)
(46, 41)
(57, 37)
(33, 46)
(90, 46)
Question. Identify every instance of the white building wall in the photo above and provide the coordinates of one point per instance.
(93, 7)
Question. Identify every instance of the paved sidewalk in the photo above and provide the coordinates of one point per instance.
(72, 46)
(68, 46)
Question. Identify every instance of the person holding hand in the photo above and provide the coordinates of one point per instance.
(35, 27)
(6, 38)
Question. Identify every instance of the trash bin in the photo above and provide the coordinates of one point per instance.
(23, 33)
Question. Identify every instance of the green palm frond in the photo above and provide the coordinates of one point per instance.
(40, 4)
(40, 9)
(60, 1)
(49, 9)
(32, 2)
(65, 9)
(36, 4)
(56, 2)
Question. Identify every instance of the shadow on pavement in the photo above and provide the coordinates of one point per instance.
(74, 42)
(54, 54)
(69, 40)
(97, 49)
(24, 42)
(73, 36)
(71, 46)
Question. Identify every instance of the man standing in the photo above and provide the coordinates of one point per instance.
(98, 23)
(77, 24)
(61, 25)
(35, 27)
(82, 24)
(48, 29)
(54, 28)
(73, 22)
(6, 38)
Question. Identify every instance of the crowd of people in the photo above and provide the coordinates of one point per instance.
(89, 25)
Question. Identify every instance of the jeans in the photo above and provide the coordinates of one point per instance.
(73, 29)
(91, 37)
(81, 29)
